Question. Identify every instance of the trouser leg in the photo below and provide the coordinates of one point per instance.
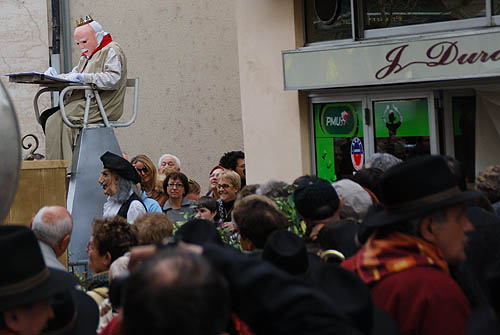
(68, 141)
(53, 136)
(59, 139)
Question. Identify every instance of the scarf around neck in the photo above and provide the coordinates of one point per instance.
(395, 252)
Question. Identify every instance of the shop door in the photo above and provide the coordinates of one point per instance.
(460, 128)
(404, 126)
(349, 130)
(338, 137)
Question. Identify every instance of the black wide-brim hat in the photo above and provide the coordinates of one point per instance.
(415, 188)
(121, 166)
(25, 278)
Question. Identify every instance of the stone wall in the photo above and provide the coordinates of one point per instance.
(185, 54)
(24, 47)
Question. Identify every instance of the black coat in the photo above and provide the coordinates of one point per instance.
(271, 302)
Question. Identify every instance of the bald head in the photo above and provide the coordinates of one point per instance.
(51, 224)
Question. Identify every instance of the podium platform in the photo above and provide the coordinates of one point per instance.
(41, 183)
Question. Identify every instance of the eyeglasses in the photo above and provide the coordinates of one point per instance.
(175, 185)
(143, 170)
(224, 186)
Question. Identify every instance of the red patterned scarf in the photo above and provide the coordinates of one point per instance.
(395, 252)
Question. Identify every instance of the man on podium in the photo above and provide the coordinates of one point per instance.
(103, 65)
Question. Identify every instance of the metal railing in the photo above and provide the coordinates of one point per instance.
(91, 92)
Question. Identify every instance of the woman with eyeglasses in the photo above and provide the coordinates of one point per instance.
(228, 185)
(177, 207)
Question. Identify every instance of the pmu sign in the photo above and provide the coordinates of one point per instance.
(338, 119)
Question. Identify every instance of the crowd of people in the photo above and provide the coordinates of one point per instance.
(398, 248)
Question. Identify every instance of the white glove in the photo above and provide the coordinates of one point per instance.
(51, 72)
(75, 77)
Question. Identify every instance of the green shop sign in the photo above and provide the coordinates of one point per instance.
(338, 119)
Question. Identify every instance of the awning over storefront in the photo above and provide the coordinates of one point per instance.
(471, 55)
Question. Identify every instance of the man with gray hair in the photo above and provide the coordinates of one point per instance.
(119, 181)
(168, 161)
(52, 226)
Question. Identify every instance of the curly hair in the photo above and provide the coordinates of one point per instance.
(113, 235)
(230, 159)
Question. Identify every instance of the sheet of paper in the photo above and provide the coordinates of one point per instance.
(40, 76)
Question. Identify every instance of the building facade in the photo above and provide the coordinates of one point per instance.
(360, 77)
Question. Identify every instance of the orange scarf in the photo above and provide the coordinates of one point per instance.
(395, 252)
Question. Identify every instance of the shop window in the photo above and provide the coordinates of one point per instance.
(336, 127)
(330, 20)
(327, 20)
(402, 127)
(395, 13)
(464, 133)
(496, 7)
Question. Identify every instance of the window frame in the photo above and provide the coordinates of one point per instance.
(359, 33)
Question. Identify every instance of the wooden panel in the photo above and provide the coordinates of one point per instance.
(41, 183)
(43, 164)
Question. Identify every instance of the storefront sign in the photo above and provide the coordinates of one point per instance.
(439, 54)
(338, 119)
(459, 57)
(333, 142)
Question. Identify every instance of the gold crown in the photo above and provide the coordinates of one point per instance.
(84, 21)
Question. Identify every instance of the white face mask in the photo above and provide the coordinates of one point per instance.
(86, 39)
